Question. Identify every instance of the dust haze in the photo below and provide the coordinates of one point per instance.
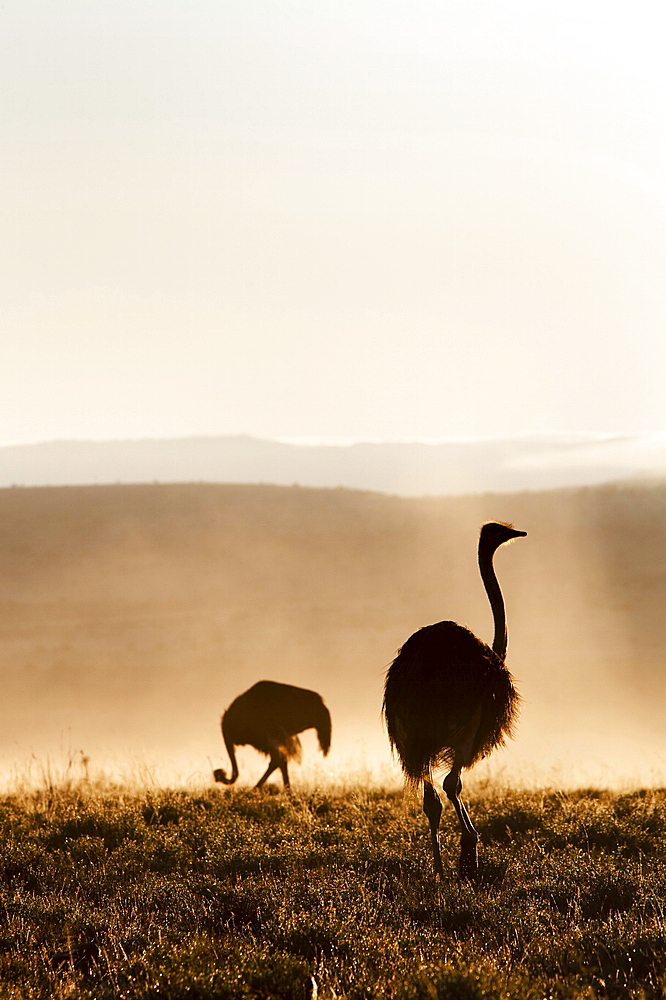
(133, 615)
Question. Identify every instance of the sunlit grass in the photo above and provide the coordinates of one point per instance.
(118, 891)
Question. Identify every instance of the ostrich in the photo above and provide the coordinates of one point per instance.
(269, 716)
(449, 700)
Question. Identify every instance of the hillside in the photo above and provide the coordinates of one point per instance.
(416, 468)
(131, 615)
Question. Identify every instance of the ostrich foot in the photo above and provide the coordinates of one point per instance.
(469, 862)
(439, 867)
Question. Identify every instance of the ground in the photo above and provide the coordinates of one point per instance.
(233, 894)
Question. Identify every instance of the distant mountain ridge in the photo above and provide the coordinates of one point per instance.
(402, 468)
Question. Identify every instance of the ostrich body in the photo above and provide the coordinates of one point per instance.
(449, 700)
(269, 717)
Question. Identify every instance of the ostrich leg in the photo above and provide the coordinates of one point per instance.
(432, 807)
(469, 838)
(278, 760)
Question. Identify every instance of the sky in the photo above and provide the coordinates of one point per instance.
(414, 219)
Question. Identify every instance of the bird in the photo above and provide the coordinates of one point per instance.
(269, 716)
(449, 700)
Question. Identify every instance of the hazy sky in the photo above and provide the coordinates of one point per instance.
(395, 219)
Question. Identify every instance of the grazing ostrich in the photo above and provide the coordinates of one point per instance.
(268, 717)
(449, 700)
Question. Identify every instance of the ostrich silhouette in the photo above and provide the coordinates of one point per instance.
(268, 717)
(449, 700)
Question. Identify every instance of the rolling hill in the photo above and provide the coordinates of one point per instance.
(132, 614)
(402, 468)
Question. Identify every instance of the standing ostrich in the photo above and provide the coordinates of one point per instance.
(268, 716)
(449, 700)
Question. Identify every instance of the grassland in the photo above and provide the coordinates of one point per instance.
(110, 892)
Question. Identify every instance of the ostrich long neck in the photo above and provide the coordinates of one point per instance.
(496, 600)
(232, 757)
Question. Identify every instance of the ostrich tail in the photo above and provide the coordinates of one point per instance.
(323, 728)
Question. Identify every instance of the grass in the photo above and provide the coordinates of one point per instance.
(109, 892)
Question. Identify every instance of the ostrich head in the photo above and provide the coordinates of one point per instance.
(496, 533)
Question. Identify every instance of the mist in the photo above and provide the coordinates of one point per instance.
(133, 616)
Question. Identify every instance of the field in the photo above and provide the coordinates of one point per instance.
(113, 892)
(131, 616)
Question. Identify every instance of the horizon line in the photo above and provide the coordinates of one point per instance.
(332, 440)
